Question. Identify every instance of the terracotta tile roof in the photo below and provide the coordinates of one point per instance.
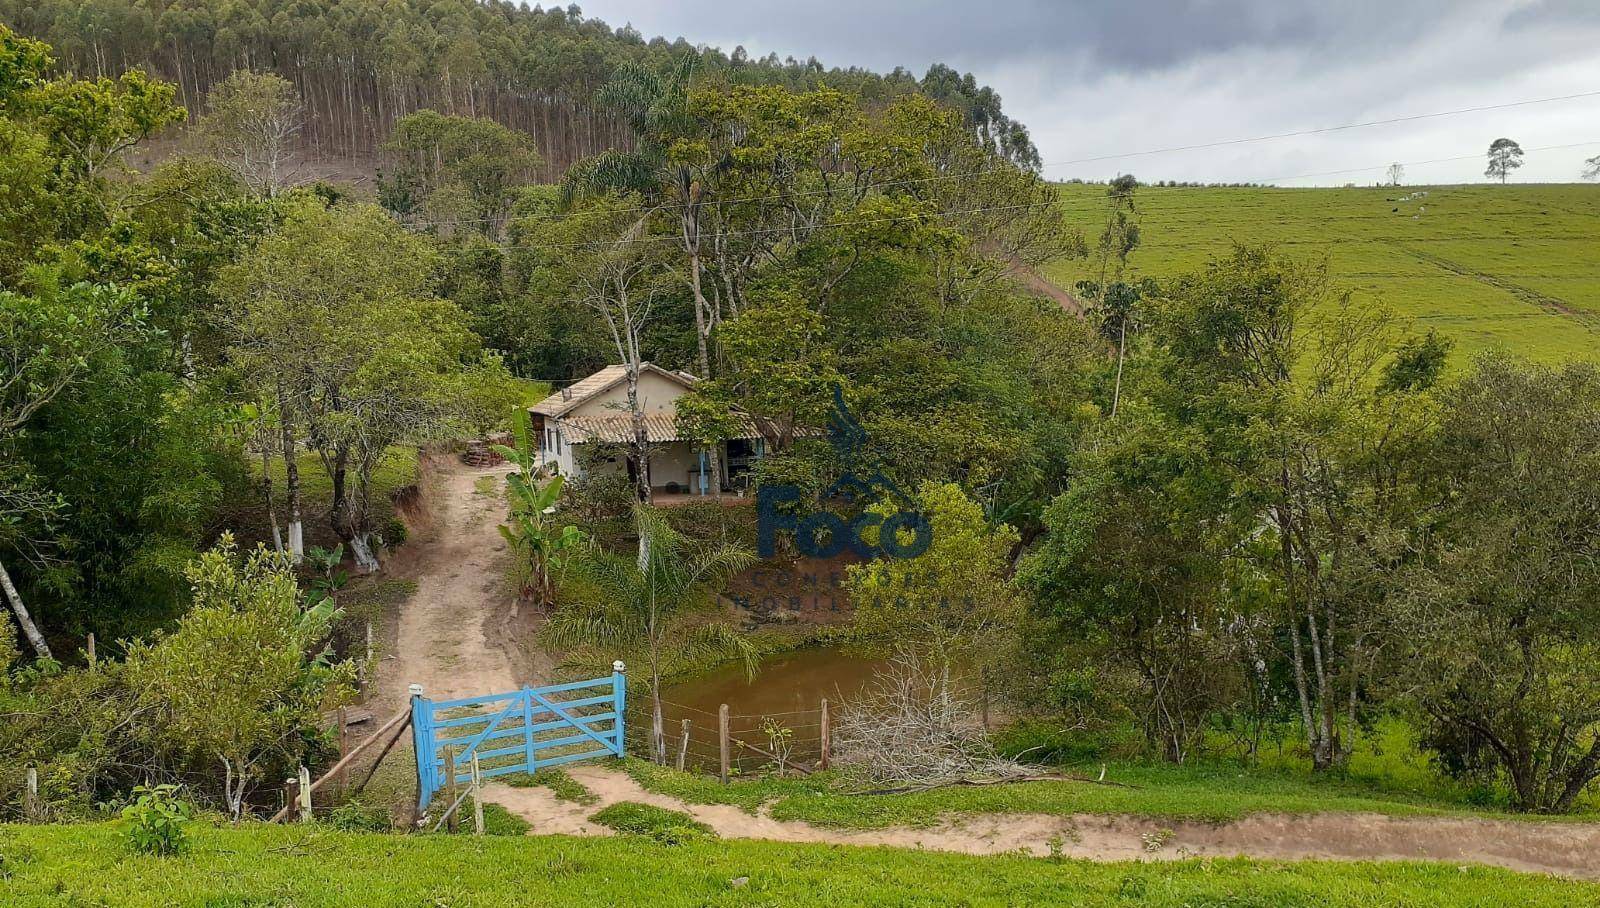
(570, 397)
(659, 428)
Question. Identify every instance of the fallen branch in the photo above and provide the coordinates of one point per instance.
(373, 770)
(1044, 777)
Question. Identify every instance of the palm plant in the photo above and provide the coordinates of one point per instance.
(529, 531)
(665, 601)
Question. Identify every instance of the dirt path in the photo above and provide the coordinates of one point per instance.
(1037, 283)
(461, 633)
(1566, 849)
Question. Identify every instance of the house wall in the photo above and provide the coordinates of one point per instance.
(672, 462)
(656, 395)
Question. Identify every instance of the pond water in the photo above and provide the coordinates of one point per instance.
(788, 690)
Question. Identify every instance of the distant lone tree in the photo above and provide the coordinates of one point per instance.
(1397, 172)
(1504, 157)
(1591, 168)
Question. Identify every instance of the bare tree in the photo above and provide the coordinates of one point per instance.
(1397, 172)
(251, 125)
(1591, 168)
(616, 271)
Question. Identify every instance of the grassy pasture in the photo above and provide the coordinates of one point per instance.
(1512, 267)
(315, 867)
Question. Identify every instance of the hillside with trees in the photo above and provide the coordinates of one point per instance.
(1214, 545)
(361, 65)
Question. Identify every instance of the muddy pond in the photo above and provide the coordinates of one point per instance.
(781, 704)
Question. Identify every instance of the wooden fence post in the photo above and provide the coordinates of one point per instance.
(291, 794)
(30, 796)
(344, 748)
(683, 747)
(450, 785)
(90, 648)
(722, 740)
(477, 800)
(827, 735)
(304, 790)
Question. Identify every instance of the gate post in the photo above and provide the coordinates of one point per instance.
(619, 692)
(422, 743)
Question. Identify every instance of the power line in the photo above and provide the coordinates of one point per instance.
(1326, 129)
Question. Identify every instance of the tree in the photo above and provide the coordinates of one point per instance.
(779, 367)
(92, 124)
(665, 602)
(239, 682)
(1504, 157)
(337, 323)
(1135, 577)
(951, 605)
(47, 342)
(1498, 621)
(1286, 376)
(1396, 173)
(250, 125)
(669, 166)
(1115, 300)
(1591, 168)
(603, 259)
(453, 172)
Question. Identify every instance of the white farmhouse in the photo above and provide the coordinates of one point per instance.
(594, 411)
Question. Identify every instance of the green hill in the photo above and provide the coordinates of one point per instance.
(1516, 267)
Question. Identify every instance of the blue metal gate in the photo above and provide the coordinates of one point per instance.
(519, 731)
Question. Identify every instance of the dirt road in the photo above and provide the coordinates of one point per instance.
(462, 633)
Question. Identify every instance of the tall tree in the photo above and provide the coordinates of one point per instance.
(602, 257)
(1286, 375)
(1116, 301)
(1504, 157)
(337, 322)
(1498, 622)
(656, 108)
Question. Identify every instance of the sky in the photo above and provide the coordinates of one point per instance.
(1097, 79)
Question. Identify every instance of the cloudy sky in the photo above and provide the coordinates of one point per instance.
(1093, 79)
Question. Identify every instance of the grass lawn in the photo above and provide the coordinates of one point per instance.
(1206, 792)
(1513, 267)
(396, 470)
(320, 868)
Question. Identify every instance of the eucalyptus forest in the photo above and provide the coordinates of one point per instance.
(1229, 541)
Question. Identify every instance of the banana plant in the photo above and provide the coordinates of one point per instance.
(530, 530)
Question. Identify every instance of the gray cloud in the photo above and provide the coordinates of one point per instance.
(1094, 79)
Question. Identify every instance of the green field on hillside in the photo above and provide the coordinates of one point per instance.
(313, 867)
(1513, 267)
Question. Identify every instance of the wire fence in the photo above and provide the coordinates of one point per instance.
(792, 741)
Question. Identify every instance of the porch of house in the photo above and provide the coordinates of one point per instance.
(662, 498)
